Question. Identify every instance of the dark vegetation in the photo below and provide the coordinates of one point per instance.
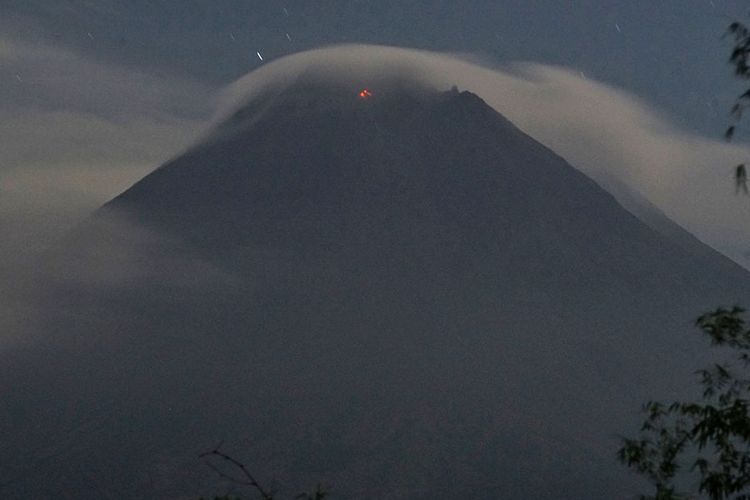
(739, 59)
(708, 440)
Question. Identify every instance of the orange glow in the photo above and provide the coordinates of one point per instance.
(365, 94)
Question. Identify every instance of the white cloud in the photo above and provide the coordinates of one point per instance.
(60, 112)
(73, 134)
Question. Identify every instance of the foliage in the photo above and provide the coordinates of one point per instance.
(740, 60)
(710, 438)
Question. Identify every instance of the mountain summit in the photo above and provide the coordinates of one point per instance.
(395, 292)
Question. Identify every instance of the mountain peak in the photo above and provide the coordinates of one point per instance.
(321, 146)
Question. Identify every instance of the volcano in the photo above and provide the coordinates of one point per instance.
(400, 296)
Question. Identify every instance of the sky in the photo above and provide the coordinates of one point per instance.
(96, 93)
(669, 52)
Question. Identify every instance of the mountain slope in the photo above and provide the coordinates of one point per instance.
(403, 296)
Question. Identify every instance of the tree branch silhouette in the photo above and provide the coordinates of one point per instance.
(248, 480)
